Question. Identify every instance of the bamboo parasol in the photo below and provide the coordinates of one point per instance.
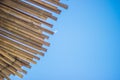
(21, 33)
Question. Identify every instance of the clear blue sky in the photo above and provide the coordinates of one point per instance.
(86, 45)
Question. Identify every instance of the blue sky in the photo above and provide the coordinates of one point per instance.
(86, 45)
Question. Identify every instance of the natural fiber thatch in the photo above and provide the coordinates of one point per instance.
(21, 33)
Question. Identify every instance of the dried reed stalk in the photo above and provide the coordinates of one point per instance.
(22, 35)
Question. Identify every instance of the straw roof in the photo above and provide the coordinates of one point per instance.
(21, 33)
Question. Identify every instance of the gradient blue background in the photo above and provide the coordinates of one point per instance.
(86, 45)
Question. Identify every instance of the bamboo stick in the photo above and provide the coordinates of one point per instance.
(32, 44)
(19, 13)
(25, 9)
(45, 5)
(40, 11)
(18, 51)
(22, 46)
(5, 2)
(38, 30)
(25, 54)
(4, 75)
(5, 70)
(14, 72)
(25, 63)
(11, 69)
(13, 19)
(21, 33)
(29, 42)
(10, 63)
(6, 55)
(56, 2)
(36, 38)
(16, 57)
(17, 54)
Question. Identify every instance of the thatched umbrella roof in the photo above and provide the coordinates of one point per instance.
(21, 33)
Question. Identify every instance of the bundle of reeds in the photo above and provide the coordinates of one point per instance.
(21, 33)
